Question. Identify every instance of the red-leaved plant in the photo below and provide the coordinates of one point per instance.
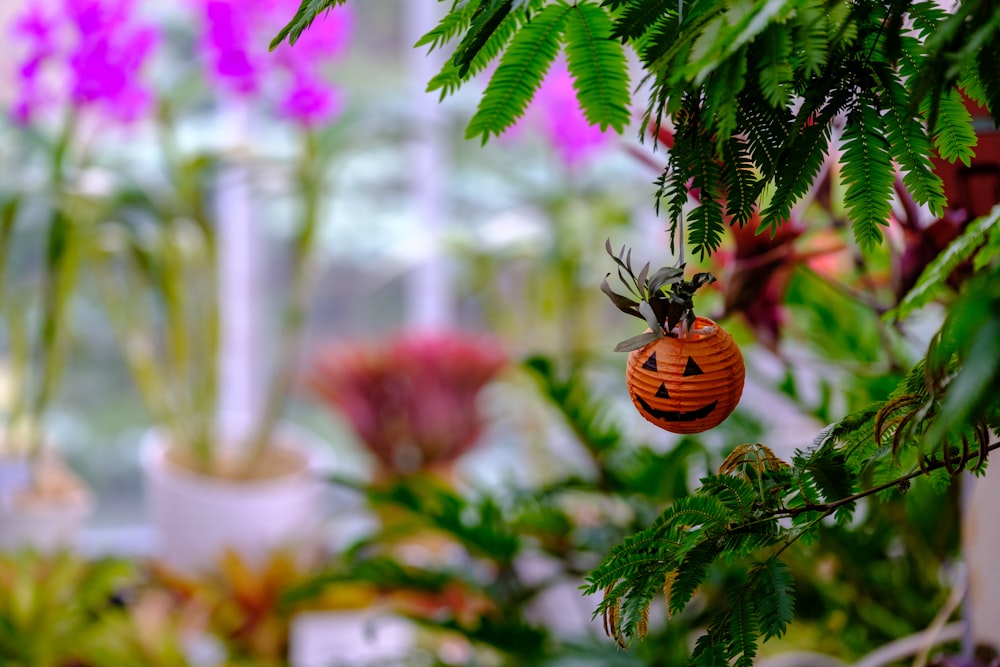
(412, 399)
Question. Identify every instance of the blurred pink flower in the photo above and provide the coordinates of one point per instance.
(311, 102)
(561, 118)
(235, 40)
(97, 49)
(411, 399)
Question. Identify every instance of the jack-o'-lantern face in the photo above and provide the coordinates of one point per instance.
(687, 385)
(691, 368)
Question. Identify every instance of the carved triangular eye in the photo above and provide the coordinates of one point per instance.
(692, 368)
(650, 364)
(662, 392)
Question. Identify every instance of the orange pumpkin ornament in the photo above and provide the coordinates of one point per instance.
(685, 374)
(690, 384)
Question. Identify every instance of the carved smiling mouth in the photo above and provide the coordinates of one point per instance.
(675, 415)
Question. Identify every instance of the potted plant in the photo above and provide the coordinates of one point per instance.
(45, 229)
(43, 503)
(412, 399)
(209, 487)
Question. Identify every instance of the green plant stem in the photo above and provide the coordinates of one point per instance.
(7, 219)
(194, 382)
(310, 175)
(828, 508)
(60, 265)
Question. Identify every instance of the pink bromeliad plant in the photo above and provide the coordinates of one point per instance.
(412, 399)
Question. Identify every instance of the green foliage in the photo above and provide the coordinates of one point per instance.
(757, 95)
(477, 525)
(520, 72)
(449, 79)
(932, 280)
(486, 18)
(934, 425)
(770, 583)
(50, 605)
(867, 173)
(599, 67)
(786, 76)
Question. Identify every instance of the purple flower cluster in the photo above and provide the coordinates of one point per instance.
(87, 53)
(234, 45)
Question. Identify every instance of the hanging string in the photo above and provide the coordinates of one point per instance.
(680, 215)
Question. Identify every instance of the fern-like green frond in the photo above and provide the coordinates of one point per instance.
(598, 65)
(709, 651)
(638, 16)
(855, 435)
(694, 151)
(831, 476)
(743, 629)
(450, 79)
(811, 39)
(954, 137)
(449, 26)
(956, 45)
(774, 70)
(705, 223)
(521, 70)
(690, 573)
(486, 18)
(911, 147)
(721, 100)
(643, 549)
(654, 45)
(772, 587)
(754, 536)
(670, 69)
(927, 17)
(735, 492)
(743, 186)
(766, 131)
(988, 69)
(694, 511)
(800, 160)
(867, 174)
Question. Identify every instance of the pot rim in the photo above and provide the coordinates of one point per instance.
(313, 465)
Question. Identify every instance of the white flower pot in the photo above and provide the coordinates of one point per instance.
(43, 527)
(46, 518)
(196, 517)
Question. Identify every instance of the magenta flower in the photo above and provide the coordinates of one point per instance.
(557, 111)
(234, 43)
(311, 102)
(412, 399)
(226, 41)
(97, 50)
